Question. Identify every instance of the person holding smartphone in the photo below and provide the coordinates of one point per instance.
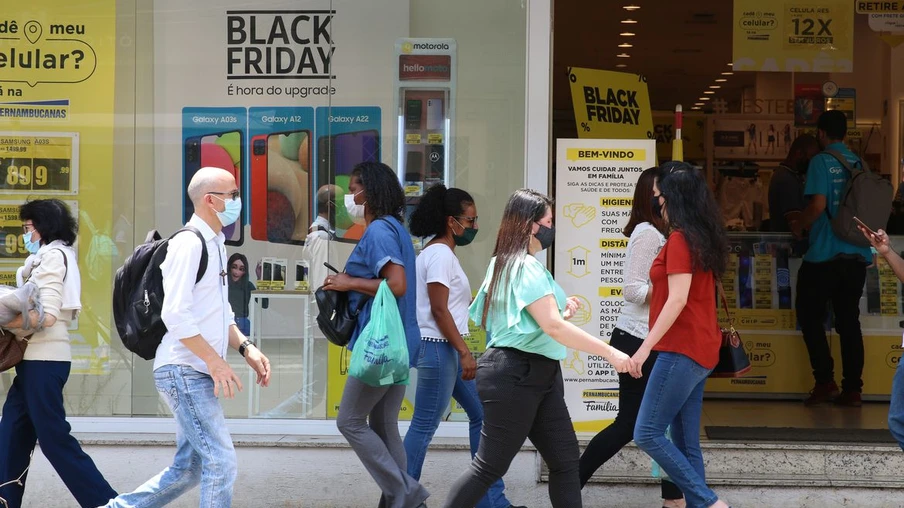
(880, 242)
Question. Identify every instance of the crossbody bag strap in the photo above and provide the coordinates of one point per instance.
(721, 291)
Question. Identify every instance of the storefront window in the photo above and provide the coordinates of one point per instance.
(286, 95)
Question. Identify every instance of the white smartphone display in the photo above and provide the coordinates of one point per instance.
(435, 117)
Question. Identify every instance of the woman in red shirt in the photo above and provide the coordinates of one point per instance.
(683, 329)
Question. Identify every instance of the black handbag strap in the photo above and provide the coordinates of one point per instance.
(721, 291)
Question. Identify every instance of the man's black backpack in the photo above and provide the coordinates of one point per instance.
(138, 293)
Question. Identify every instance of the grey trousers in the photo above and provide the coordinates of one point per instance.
(523, 396)
(369, 420)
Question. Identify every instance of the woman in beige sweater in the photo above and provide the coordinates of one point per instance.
(34, 405)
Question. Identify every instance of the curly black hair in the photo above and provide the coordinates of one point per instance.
(692, 209)
(382, 188)
(429, 218)
(52, 220)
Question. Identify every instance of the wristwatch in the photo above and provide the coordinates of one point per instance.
(244, 346)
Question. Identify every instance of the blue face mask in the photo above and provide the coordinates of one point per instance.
(31, 246)
(232, 211)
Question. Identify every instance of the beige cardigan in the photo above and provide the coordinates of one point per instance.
(52, 343)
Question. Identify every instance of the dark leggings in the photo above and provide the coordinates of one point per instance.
(523, 396)
(613, 438)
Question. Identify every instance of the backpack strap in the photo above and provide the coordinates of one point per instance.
(844, 162)
(202, 267)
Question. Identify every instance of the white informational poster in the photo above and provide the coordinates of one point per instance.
(595, 180)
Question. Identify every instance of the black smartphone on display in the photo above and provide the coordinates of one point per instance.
(414, 166)
(436, 154)
(191, 163)
(413, 109)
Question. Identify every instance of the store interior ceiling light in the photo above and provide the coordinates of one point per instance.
(629, 21)
(627, 34)
(621, 66)
(715, 87)
(721, 80)
(631, 7)
(709, 92)
(728, 74)
(623, 55)
(625, 45)
(703, 99)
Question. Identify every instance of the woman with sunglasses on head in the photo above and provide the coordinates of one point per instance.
(683, 329)
(519, 378)
(34, 408)
(445, 366)
(645, 232)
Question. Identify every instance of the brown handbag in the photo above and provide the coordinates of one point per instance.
(12, 349)
(733, 360)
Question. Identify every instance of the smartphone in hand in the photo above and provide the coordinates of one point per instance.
(331, 267)
(864, 226)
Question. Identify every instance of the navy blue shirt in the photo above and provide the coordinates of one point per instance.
(386, 241)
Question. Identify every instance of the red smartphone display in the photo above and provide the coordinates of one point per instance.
(259, 187)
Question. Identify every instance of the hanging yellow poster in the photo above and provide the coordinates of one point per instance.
(57, 61)
(610, 105)
(793, 36)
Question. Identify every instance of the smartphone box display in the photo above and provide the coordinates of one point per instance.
(302, 270)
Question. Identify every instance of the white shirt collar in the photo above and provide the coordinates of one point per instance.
(206, 230)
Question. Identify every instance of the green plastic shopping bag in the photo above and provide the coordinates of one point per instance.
(380, 357)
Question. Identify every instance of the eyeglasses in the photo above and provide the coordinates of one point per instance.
(472, 220)
(28, 227)
(232, 194)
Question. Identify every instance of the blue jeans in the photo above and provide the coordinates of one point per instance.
(674, 395)
(204, 451)
(896, 408)
(244, 325)
(438, 378)
(34, 410)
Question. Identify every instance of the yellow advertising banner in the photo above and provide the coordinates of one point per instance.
(878, 7)
(692, 134)
(793, 36)
(57, 61)
(610, 105)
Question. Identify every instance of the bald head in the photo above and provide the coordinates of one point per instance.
(209, 179)
(326, 194)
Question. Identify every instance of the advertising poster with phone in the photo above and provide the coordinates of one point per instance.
(595, 182)
(56, 80)
(288, 97)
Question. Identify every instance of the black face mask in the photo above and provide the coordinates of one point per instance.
(657, 207)
(545, 236)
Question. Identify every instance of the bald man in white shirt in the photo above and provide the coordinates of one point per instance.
(190, 370)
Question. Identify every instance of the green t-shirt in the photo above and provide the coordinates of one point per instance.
(509, 324)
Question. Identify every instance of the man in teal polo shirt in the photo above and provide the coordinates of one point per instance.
(832, 271)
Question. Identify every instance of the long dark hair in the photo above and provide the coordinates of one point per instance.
(238, 256)
(381, 185)
(52, 219)
(429, 218)
(523, 209)
(691, 208)
(642, 209)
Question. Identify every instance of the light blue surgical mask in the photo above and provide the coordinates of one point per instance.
(232, 211)
(31, 246)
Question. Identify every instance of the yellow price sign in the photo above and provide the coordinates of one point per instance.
(39, 162)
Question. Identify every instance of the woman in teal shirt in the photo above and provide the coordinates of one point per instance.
(519, 378)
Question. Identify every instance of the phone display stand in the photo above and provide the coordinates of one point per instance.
(425, 104)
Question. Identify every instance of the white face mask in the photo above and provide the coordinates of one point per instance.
(355, 211)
